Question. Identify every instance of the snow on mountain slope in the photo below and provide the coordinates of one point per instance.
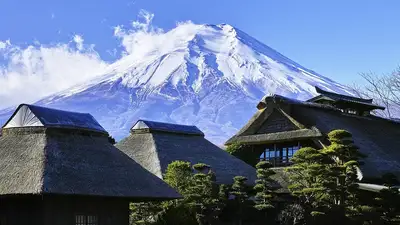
(211, 76)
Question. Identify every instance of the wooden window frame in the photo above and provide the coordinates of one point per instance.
(86, 219)
(279, 155)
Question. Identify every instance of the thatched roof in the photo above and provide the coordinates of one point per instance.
(53, 160)
(292, 135)
(35, 116)
(338, 98)
(147, 126)
(154, 149)
(378, 138)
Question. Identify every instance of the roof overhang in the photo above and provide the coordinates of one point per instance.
(294, 135)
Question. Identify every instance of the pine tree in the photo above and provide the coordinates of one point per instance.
(388, 201)
(342, 178)
(144, 212)
(239, 192)
(265, 194)
(178, 175)
(307, 177)
(203, 194)
(326, 180)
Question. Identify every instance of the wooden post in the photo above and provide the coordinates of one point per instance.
(274, 155)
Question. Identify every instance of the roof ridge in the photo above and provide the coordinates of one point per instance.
(321, 91)
(53, 109)
(148, 126)
(27, 115)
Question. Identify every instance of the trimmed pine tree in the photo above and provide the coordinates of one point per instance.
(263, 188)
(239, 192)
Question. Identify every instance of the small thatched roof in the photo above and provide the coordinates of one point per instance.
(155, 148)
(377, 138)
(72, 161)
(148, 126)
(35, 116)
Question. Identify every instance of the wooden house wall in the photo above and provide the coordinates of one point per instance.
(21, 210)
(62, 210)
(276, 122)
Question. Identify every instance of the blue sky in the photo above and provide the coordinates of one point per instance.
(338, 39)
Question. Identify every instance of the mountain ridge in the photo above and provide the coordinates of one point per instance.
(211, 76)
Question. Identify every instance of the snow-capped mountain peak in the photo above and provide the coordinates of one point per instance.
(208, 75)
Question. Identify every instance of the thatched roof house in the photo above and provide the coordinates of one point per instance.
(282, 125)
(154, 145)
(62, 165)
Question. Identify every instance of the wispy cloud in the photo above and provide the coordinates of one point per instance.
(78, 39)
(36, 71)
(142, 38)
(33, 72)
(4, 44)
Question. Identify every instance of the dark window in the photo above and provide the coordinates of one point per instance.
(279, 155)
(85, 220)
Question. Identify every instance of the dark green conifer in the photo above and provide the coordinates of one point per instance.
(239, 192)
(265, 194)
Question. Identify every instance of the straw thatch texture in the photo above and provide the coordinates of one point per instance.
(155, 150)
(292, 135)
(22, 163)
(72, 162)
(147, 125)
(377, 138)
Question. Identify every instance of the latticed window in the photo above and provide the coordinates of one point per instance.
(279, 155)
(86, 220)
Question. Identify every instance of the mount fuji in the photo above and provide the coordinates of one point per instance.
(211, 76)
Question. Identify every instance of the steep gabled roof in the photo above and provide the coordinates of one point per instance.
(377, 137)
(250, 134)
(35, 116)
(153, 126)
(155, 150)
(49, 160)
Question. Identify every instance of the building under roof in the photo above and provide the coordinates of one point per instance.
(58, 167)
(281, 126)
(155, 145)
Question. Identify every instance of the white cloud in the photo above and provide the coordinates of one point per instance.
(142, 38)
(4, 44)
(37, 71)
(78, 39)
(33, 72)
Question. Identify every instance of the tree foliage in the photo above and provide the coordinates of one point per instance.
(388, 201)
(111, 140)
(325, 180)
(203, 194)
(178, 175)
(239, 192)
(244, 153)
(265, 194)
(202, 203)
